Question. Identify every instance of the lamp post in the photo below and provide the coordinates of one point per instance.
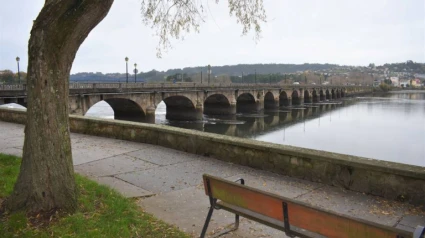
(135, 72)
(126, 68)
(255, 77)
(242, 77)
(270, 78)
(209, 74)
(201, 77)
(19, 74)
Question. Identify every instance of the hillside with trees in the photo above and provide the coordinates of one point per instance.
(194, 73)
(408, 66)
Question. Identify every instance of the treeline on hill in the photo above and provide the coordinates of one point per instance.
(237, 70)
(194, 74)
(408, 66)
(260, 73)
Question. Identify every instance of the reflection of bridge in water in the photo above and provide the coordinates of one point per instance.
(189, 101)
(270, 121)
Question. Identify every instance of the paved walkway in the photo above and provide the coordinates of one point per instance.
(168, 184)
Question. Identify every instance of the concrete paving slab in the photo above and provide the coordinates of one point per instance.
(178, 176)
(410, 222)
(12, 151)
(126, 189)
(283, 186)
(162, 156)
(88, 153)
(356, 205)
(8, 128)
(91, 148)
(113, 166)
(188, 208)
(12, 142)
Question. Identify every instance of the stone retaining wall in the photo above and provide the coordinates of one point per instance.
(381, 178)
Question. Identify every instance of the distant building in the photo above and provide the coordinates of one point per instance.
(405, 83)
(395, 81)
(377, 82)
(416, 83)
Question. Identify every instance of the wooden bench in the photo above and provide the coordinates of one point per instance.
(293, 217)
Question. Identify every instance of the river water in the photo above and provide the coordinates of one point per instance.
(389, 127)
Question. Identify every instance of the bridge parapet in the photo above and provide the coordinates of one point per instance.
(76, 86)
(14, 87)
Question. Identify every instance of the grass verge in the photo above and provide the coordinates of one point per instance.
(102, 212)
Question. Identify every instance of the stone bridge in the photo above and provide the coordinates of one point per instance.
(188, 101)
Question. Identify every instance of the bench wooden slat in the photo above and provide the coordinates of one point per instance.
(265, 220)
(300, 214)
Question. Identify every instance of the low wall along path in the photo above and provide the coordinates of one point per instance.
(386, 179)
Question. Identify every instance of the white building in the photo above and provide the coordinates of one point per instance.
(404, 83)
(395, 81)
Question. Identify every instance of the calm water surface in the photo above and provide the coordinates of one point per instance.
(390, 127)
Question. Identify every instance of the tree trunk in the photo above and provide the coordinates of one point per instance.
(46, 179)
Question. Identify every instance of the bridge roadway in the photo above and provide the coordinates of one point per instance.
(187, 101)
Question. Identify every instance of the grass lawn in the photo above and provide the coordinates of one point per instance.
(102, 212)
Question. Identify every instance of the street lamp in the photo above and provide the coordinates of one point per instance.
(270, 78)
(255, 77)
(135, 72)
(242, 77)
(126, 68)
(209, 74)
(19, 75)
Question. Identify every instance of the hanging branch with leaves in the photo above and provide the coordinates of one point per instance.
(174, 18)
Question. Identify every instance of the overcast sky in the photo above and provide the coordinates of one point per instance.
(309, 31)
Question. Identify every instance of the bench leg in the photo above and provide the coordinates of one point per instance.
(234, 228)
(207, 222)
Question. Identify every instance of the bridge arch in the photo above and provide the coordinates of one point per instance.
(246, 103)
(322, 95)
(307, 98)
(342, 92)
(315, 97)
(123, 109)
(333, 94)
(181, 108)
(218, 104)
(328, 95)
(20, 101)
(270, 102)
(338, 93)
(283, 99)
(296, 100)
